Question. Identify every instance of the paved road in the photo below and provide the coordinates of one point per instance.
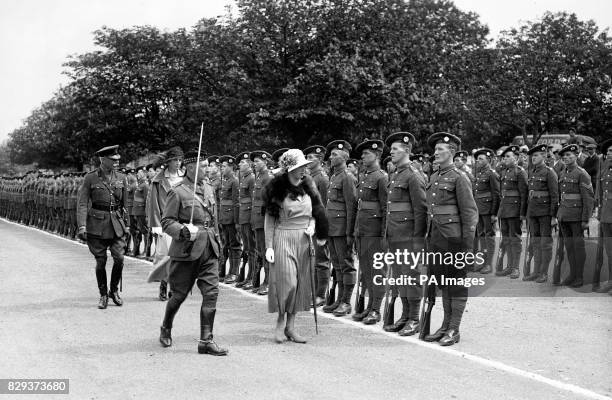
(511, 348)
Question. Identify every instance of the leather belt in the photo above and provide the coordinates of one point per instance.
(538, 193)
(393, 206)
(258, 203)
(368, 205)
(103, 207)
(571, 196)
(510, 193)
(225, 202)
(482, 195)
(335, 205)
(245, 200)
(450, 209)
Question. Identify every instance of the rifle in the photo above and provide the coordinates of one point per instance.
(311, 250)
(598, 258)
(559, 255)
(528, 256)
(359, 299)
(331, 295)
(500, 257)
(389, 313)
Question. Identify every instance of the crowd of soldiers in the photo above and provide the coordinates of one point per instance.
(378, 203)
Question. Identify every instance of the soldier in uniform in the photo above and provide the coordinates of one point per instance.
(604, 200)
(486, 195)
(139, 210)
(460, 162)
(453, 216)
(133, 232)
(370, 210)
(340, 206)
(194, 252)
(405, 225)
(260, 161)
(352, 167)
(102, 224)
(229, 210)
(512, 209)
(575, 209)
(541, 213)
(315, 154)
(246, 184)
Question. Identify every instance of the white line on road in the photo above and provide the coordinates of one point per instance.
(374, 329)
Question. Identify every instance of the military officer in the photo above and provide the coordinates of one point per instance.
(453, 216)
(139, 210)
(575, 209)
(246, 185)
(512, 209)
(370, 210)
(229, 211)
(405, 225)
(315, 154)
(103, 224)
(340, 206)
(194, 252)
(604, 200)
(260, 161)
(541, 213)
(486, 195)
(129, 206)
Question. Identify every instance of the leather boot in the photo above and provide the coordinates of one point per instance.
(359, 316)
(115, 297)
(241, 279)
(330, 308)
(165, 337)
(206, 345)
(345, 305)
(410, 328)
(452, 335)
(439, 334)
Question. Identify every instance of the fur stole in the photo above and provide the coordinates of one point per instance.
(279, 187)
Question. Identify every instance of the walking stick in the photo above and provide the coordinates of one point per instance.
(311, 252)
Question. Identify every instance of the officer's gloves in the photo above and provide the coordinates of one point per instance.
(82, 233)
(270, 255)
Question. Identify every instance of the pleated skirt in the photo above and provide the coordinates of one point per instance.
(289, 284)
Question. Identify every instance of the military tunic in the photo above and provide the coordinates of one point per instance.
(229, 212)
(486, 195)
(513, 207)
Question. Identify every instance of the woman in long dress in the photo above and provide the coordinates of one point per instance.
(294, 214)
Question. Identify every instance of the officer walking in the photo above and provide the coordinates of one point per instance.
(103, 223)
(194, 252)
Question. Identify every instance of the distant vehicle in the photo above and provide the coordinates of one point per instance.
(553, 139)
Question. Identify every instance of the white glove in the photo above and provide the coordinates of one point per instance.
(270, 255)
(310, 230)
(157, 230)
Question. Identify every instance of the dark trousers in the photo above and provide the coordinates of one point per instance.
(486, 238)
(573, 238)
(248, 241)
(260, 251)
(606, 230)
(183, 275)
(98, 247)
(231, 249)
(342, 260)
(321, 269)
(366, 247)
(541, 243)
(511, 239)
(454, 297)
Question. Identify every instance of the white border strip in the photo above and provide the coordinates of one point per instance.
(376, 329)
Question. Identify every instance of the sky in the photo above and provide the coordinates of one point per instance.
(39, 35)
